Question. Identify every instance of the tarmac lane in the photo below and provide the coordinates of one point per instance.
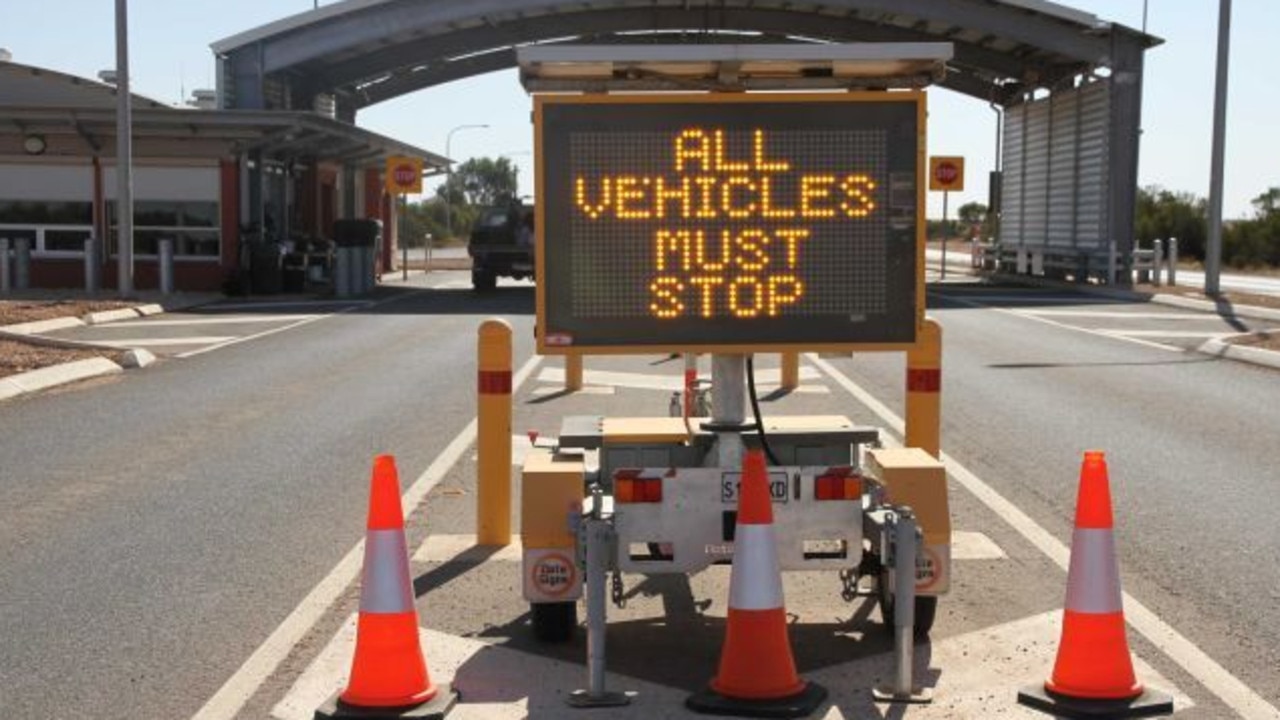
(996, 631)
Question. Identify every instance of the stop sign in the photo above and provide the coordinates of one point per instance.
(946, 172)
(404, 175)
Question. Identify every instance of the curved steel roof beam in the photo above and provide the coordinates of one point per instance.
(772, 22)
(369, 22)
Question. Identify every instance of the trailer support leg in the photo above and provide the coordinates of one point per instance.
(597, 532)
(903, 689)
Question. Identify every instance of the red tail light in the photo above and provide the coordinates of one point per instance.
(629, 487)
(838, 483)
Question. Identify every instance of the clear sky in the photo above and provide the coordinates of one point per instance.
(170, 54)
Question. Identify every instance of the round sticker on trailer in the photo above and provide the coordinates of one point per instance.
(553, 574)
(928, 570)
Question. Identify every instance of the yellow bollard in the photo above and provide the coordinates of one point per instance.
(924, 390)
(790, 371)
(493, 434)
(573, 372)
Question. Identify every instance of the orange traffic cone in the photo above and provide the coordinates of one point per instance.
(388, 673)
(1093, 675)
(757, 676)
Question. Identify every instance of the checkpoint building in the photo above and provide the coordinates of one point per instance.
(276, 151)
(213, 181)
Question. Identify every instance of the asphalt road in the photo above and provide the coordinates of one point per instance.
(156, 528)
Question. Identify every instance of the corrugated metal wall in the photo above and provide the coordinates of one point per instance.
(1056, 169)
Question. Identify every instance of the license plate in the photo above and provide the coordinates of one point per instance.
(779, 483)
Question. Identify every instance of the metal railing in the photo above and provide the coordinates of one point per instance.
(1156, 265)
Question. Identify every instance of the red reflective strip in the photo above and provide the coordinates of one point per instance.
(495, 382)
(924, 380)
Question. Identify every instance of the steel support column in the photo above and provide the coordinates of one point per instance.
(1125, 87)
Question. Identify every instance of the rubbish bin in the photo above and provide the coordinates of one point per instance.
(357, 242)
(266, 269)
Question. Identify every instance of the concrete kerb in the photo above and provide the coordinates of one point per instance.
(1219, 347)
(62, 373)
(54, 375)
(1222, 347)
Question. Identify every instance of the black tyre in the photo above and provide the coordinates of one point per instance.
(554, 622)
(483, 280)
(926, 608)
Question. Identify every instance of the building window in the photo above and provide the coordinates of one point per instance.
(54, 228)
(193, 227)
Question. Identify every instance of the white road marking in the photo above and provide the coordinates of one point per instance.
(520, 446)
(265, 333)
(237, 690)
(1051, 299)
(496, 682)
(1037, 318)
(228, 320)
(463, 548)
(298, 303)
(165, 342)
(980, 673)
(586, 390)
(1162, 333)
(968, 545)
(1122, 315)
(1206, 670)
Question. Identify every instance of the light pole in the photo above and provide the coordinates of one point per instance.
(124, 156)
(1213, 245)
(448, 171)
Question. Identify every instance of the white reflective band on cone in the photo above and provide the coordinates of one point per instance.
(1093, 581)
(756, 582)
(385, 587)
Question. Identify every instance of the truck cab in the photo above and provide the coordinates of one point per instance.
(501, 244)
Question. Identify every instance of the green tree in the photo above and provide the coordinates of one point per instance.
(1255, 242)
(976, 215)
(481, 181)
(1164, 214)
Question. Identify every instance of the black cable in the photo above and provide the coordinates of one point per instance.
(755, 410)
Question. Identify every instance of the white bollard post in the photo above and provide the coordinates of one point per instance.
(1157, 260)
(5, 273)
(22, 264)
(166, 266)
(91, 276)
(1171, 257)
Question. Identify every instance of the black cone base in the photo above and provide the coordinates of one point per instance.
(1150, 703)
(434, 709)
(802, 704)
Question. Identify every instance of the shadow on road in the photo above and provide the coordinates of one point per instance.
(385, 301)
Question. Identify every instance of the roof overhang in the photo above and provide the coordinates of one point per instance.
(367, 51)
(599, 68)
(209, 134)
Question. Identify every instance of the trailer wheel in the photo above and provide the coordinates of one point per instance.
(926, 608)
(554, 622)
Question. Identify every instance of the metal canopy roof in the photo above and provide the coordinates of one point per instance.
(742, 67)
(168, 132)
(367, 51)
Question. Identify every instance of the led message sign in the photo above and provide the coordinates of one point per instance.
(729, 222)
